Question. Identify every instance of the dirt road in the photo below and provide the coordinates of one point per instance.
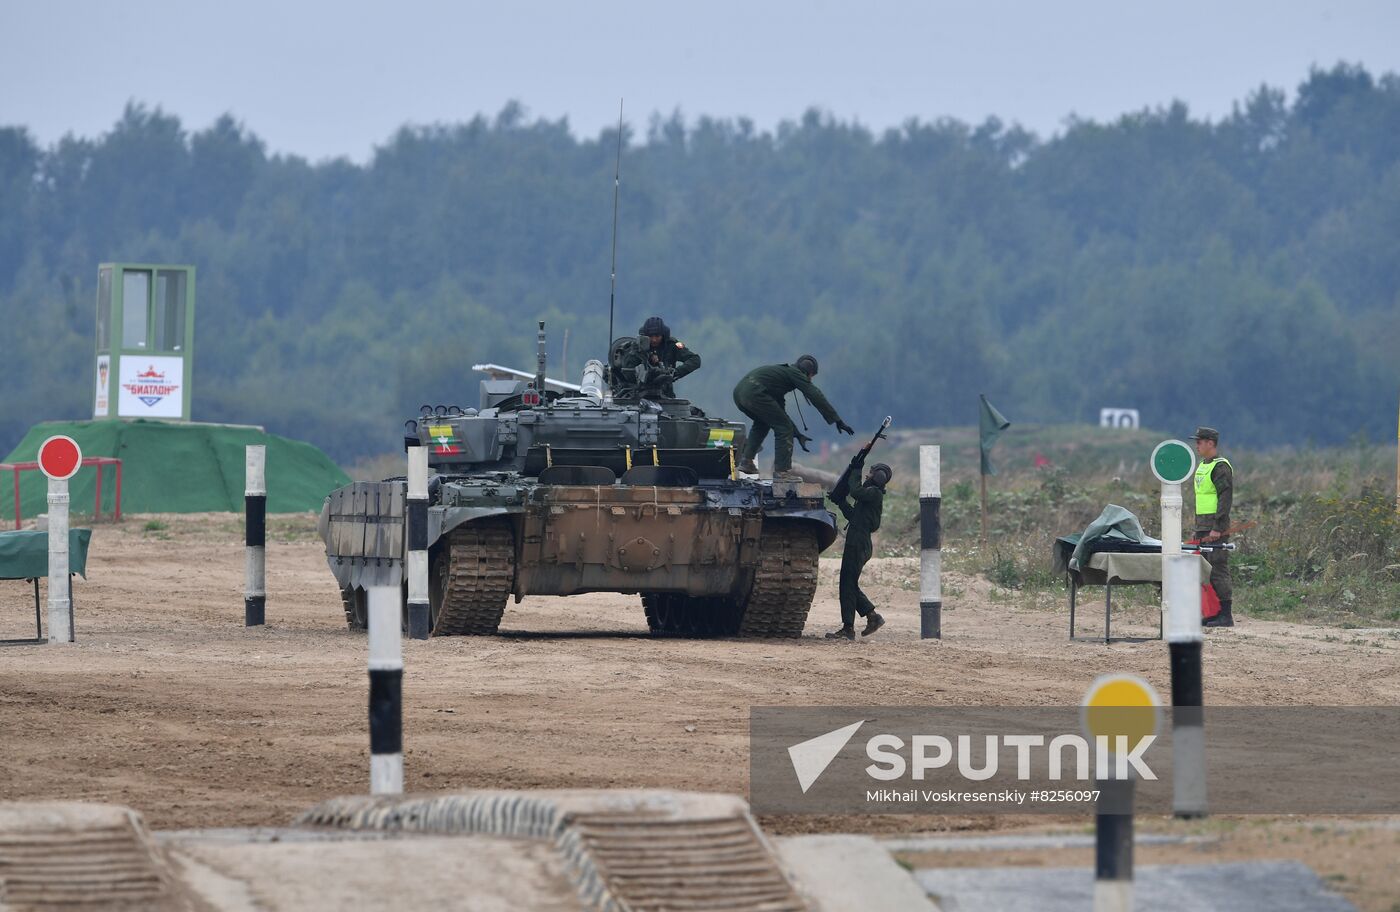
(168, 704)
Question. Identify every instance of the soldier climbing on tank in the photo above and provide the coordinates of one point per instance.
(862, 505)
(761, 395)
(650, 366)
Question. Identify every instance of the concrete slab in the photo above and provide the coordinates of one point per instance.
(1269, 886)
(851, 874)
(489, 874)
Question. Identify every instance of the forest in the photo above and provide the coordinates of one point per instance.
(1242, 272)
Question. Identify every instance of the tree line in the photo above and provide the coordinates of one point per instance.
(1242, 272)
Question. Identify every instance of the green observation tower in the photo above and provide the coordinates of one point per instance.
(145, 341)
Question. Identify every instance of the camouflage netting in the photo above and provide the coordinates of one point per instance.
(170, 467)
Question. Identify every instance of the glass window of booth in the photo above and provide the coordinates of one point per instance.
(104, 310)
(169, 320)
(136, 287)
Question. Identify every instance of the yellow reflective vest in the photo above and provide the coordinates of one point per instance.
(1207, 498)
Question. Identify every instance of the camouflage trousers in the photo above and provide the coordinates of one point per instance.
(853, 560)
(767, 414)
(1219, 567)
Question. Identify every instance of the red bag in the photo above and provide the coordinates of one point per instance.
(1210, 602)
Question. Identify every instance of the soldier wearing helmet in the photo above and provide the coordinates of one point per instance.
(862, 506)
(652, 365)
(761, 395)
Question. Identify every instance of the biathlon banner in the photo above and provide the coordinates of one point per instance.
(151, 387)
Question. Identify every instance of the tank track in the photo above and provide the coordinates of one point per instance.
(784, 583)
(352, 600)
(476, 574)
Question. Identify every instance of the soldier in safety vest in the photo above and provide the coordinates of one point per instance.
(1215, 487)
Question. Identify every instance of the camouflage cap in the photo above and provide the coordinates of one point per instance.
(1206, 433)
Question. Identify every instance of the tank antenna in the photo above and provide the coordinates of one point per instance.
(612, 295)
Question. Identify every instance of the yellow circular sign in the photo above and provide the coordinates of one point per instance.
(1121, 705)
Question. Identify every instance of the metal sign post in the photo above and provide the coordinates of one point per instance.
(1173, 462)
(1118, 711)
(60, 457)
(931, 544)
(255, 535)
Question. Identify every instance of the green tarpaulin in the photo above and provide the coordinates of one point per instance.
(171, 467)
(24, 554)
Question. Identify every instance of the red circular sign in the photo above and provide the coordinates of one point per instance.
(60, 457)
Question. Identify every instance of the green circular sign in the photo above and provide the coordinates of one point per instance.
(1173, 462)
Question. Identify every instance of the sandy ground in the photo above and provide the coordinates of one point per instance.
(169, 705)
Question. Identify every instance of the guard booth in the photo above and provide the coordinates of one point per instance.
(145, 341)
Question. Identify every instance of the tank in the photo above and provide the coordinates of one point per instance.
(553, 488)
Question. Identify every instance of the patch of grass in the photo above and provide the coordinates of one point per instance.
(1326, 548)
(155, 525)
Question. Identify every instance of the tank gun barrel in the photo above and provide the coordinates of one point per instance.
(592, 383)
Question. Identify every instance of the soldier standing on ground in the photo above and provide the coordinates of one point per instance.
(761, 396)
(657, 361)
(862, 511)
(1215, 488)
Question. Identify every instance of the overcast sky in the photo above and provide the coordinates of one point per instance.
(336, 78)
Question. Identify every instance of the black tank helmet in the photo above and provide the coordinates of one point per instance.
(655, 326)
(881, 474)
(807, 364)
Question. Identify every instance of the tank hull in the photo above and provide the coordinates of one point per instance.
(700, 546)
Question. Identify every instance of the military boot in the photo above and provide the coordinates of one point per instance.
(845, 633)
(747, 466)
(1223, 619)
(872, 623)
(788, 477)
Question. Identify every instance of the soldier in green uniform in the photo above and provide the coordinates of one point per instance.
(652, 365)
(862, 511)
(761, 395)
(1215, 484)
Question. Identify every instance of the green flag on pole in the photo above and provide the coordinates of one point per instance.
(992, 424)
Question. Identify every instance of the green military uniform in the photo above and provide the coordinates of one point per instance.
(761, 395)
(1219, 476)
(862, 506)
(1215, 493)
(652, 371)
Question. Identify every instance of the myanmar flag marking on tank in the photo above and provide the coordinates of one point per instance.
(445, 437)
(721, 437)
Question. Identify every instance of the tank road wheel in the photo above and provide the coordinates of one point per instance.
(472, 576)
(664, 612)
(784, 582)
(675, 614)
(356, 604)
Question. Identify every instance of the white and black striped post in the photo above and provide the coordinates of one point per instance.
(60, 591)
(255, 535)
(416, 564)
(385, 692)
(1181, 590)
(1113, 846)
(931, 544)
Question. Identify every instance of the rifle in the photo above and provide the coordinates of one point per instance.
(843, 484)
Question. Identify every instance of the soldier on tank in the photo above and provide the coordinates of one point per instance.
(761, 395)
(862, 506)
(651, 366)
